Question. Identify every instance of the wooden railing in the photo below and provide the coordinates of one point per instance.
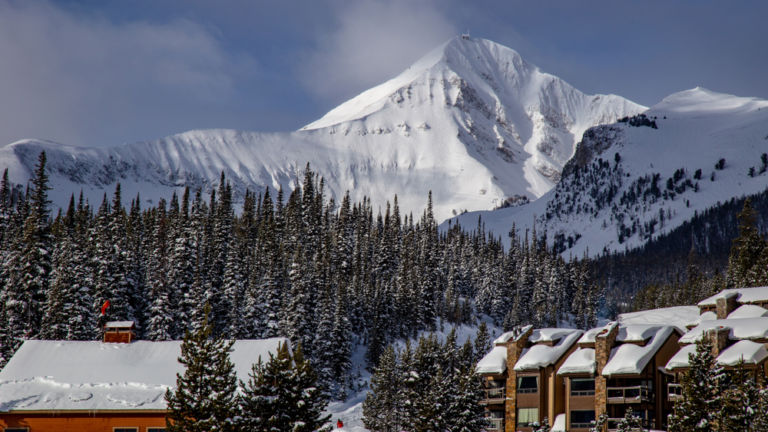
(674, 392)
(632, 394)
(493, 395)
(494, 424)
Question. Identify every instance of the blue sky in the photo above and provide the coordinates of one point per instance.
(101, 73)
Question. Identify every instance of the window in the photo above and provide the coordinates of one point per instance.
(527, 416)
(527, 384)
(125, 429)
(16, 429)
(155, 429)
(582, 419)
(582, 386)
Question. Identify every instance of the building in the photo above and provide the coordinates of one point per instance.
(53, 386)
(736, 342)
(571, 377)
(520, 378)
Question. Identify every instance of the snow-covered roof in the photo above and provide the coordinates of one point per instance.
(744, 295)
(85, 375)
(680, 359)
(542, 355)
(549, 334)
(678, 316)
(740, 328)
(495, 362)
(590, 335)
(636, 332)
(580, 361)
(744, 351)
(631, 359)
(748, 311)
(706, 316)
(505, 337)
(120, 324)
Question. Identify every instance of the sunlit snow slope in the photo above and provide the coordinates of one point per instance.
(471, 121)
(706, 148)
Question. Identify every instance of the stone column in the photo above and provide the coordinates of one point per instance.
(603, 343)
(718, 338)
(514, 350)
(725, 305)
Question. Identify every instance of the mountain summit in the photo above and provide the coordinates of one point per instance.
(471, 121)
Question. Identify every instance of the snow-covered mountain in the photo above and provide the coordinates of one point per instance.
(471, 121)
(633, 180)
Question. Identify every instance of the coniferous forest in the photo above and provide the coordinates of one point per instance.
(330, 276)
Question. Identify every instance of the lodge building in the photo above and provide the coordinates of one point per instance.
(117, 385)
(571, 377)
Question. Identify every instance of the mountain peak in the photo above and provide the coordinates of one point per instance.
(701, 101)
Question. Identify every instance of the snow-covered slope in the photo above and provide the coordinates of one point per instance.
(471, 121)
(692, 150)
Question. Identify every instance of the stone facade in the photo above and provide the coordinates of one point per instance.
(725, 305)
(514, 350)
(603, 343)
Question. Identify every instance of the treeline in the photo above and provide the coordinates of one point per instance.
(327, 275)
(746, 265)
(429, 387)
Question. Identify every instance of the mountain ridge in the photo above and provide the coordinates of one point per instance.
(641, 177)
(471, 121)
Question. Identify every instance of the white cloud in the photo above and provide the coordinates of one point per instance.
(82, 79)
(371, 42)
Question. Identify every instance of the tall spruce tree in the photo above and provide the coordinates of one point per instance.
(204, 398)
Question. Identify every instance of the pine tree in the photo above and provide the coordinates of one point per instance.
(630, 422)
(746, 251)
(310, 402)
(28, 267)
(266, 401)
(383, 404)
(204, 398)
(703, 386)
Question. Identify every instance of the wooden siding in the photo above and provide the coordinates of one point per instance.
(58, 421)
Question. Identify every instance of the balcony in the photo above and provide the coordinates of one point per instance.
(628, 395)
(494, 395)
(674, 392)
(494, 424)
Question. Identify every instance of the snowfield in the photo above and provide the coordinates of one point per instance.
(706, 148)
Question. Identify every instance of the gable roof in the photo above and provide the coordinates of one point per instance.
(743, 295)
(631, 359)
(542, 355)
(86, 375)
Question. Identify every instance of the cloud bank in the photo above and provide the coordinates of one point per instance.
(81, 79)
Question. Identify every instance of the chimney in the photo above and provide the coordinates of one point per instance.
(515, 348)
(718, 338)
(726, 304)
(119, 331)
(604, 341)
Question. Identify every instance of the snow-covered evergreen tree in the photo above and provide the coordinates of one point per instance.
(204, 398)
